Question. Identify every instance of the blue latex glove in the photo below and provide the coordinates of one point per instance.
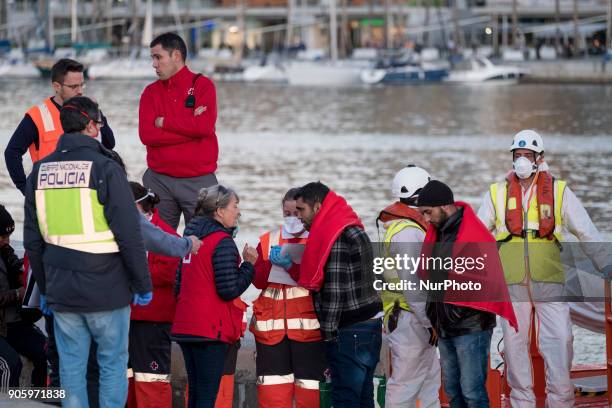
(142, 299)
(44, 308)
(607, 272)
(284, 261)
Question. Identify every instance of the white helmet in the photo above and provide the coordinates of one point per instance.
(408, 181)
(528, 139)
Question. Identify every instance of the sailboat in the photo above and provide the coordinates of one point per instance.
(332, 73)
(137, 65)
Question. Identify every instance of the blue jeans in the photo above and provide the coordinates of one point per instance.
(353, 359)
(204, 363)
(73, 335)
(465, 361)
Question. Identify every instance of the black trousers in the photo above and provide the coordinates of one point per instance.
(305, 360)
(26, 339)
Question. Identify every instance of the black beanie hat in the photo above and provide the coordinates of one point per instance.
(435, 194)
(7, 225)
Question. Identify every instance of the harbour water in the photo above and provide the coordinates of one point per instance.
(273, 137)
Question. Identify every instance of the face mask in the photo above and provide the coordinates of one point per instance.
(293, 225)
(235, 231)
(524, 168)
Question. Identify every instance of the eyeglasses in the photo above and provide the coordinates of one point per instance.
(75, 86)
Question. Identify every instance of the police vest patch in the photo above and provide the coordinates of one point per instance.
(68, 174)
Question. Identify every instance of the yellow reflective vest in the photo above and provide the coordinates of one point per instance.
(69, 212)
(543, 255)
(389, 297)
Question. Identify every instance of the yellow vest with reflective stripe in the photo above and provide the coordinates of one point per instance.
(544, 255)
(389, 297)
(69, 212)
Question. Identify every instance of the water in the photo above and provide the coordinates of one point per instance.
(274, 137)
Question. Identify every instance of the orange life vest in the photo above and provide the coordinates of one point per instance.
(283, 310)
(401, 211)
(46, 117)
(546, 205)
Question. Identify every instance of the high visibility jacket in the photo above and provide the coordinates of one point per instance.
(543, 253)
(391, 297)
(283, 310)
(272, 238)
(69, 212)
(46, 117)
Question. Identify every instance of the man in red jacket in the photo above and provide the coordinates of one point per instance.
(177, 118)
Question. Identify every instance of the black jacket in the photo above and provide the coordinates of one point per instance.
(450, 320)
(76, 281)
(11, 271)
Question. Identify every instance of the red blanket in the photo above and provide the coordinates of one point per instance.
(474, 241)
(334, 217)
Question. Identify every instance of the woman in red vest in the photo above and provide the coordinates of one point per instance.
(207, 319)
(290, 350)
(150, 344)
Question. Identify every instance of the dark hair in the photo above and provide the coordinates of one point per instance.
(171, 42)
(312, 193)
(115, 156)
(148, 199)
(62, 67)
(290, 195)
(77, 112)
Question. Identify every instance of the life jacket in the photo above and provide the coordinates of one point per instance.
(401, 211)
(283, 310)
(199, 310)
(544, 230)
(397, 217)
(46, 117)
(545, 205)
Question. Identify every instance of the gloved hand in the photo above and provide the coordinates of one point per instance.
(607, 272)
(142, 299)
(44, 308)
(284, 261)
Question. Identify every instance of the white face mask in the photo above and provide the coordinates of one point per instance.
(293, 225)
(524, 168)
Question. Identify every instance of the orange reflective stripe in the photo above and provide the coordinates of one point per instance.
(265, 245)
(46, 117)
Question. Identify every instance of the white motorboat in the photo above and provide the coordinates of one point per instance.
(265, 73)
(323, 74)
(481, 70)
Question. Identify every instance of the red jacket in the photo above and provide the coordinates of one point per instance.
(334, 217)
(186, 145)
(200, 311)
(474, 241)
(163, 275)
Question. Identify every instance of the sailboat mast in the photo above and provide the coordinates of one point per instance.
(333, 30)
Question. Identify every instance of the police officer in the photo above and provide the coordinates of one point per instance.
(82, 233)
